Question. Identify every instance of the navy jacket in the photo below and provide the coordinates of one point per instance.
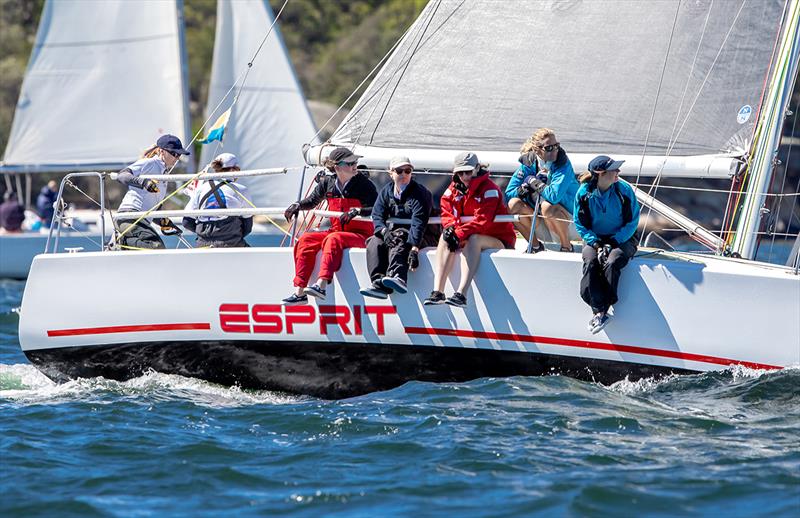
(415, 203)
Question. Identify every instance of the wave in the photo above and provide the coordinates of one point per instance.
(24, 384)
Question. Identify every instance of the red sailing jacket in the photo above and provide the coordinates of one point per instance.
(484, 201)
(359, 192)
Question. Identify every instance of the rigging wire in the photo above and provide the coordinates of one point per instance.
(242, 77)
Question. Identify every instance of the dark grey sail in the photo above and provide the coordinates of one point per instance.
(628, 77)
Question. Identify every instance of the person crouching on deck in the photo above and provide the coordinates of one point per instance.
(606, 216)
(346, 191)
(144, 195)
(545, 171)
(394, 247)
(471, 193)
(220, 231)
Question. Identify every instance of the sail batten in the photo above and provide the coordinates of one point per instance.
(103, 82)
(618, 76)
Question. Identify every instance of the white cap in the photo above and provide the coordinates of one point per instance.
(399, 161)
(227, 160)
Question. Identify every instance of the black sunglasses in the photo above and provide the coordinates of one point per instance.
(404, 170)
(172, 154)
(551, 147)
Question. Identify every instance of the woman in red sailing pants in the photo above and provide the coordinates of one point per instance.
(346, 191)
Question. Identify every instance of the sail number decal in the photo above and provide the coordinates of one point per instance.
(279, 319)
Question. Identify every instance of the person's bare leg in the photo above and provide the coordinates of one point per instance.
(471, 258)
(523, 226)
(445, 259)
(556, 219)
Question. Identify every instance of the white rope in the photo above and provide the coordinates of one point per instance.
(210, 176)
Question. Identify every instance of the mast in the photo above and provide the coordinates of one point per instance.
(189, 165)
(771, 125)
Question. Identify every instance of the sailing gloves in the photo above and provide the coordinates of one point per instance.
(603, 253)
(450, 237)
(533, 183)
(168, 228)
(291, 211)
(345, 218)
(413, 259)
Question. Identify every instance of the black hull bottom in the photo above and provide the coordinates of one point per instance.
(322, 369)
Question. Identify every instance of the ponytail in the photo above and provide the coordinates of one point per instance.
(150, 152)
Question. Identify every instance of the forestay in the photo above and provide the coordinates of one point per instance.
(622, 77)
(270, 121)
(104, 80)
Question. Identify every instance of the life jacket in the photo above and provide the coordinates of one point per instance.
(585, 212)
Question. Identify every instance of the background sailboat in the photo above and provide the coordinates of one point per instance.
(269, 121)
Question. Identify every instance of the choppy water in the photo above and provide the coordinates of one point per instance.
(726, 443)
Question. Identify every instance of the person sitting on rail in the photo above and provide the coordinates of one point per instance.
(347, 191)
(606, 216)
(545, 171)
(144, 195)
(394, 247)
(473, 194)
(220, 231)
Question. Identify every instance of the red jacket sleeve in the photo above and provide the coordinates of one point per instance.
(446, 204)
(483, 217)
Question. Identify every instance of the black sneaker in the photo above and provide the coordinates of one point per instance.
(315, 291)
(376, 291)
(294, 299)
(458, 300)
(434, 299)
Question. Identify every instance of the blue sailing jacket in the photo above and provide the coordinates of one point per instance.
(605, 216)
(561, 183)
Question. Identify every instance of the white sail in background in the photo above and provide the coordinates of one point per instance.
(672, 78)
(270, 122)
(105, 79)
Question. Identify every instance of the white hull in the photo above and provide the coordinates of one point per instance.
(18, 250)
(675, 314)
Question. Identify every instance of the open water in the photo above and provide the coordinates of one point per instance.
(726, 443)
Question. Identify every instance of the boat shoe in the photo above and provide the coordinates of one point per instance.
(315, 291)
(395, 283)
(294, 299)
(376, 291)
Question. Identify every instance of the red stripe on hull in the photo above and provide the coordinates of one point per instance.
(513, 337)
(129, 329)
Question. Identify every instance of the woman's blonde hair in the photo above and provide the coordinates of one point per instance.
(534, 142)
(150, 152)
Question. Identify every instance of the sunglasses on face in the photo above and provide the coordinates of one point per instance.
(403, 170)
(465, 173)
(345, 164)
(551, 147)
(170, 153)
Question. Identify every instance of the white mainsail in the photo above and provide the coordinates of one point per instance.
(270, 121)
(666, 80)
(104, 80)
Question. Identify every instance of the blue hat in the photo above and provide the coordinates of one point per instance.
(172, 144)
(604, 163)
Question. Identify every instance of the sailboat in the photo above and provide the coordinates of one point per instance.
(78, 88)
(675, 88)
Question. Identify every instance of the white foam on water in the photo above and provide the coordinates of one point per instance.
(24, 384)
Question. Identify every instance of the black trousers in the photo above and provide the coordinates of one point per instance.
(140, 235)
(599, 283)
(384, 260)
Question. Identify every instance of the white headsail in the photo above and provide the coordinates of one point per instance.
(104, 80)
(665, 80)
(270, 121)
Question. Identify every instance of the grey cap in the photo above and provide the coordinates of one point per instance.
(466, 161)
(399, 161)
